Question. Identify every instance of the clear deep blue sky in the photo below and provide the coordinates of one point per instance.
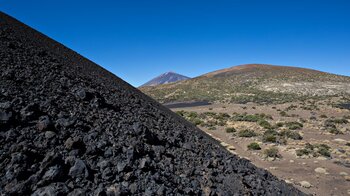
(138, 40)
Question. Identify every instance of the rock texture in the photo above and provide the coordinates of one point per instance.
(69, 127)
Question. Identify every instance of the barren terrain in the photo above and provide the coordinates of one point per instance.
(315, 172)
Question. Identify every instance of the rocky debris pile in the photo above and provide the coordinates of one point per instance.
(69, 127)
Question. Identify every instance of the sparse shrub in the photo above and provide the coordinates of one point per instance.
(283, 113)
(308, 149)
(181, 112)
(302, 120)
(272, 152)
(210, 108)
(313, 118)
(250, 117)
(247, 133)
(294, 125)
(323, 149)
(324, 152)
(254, 146)
(301, 152)
(196, 121)
(270, 136)
(279, 124)
(340, 121)
(291, 134)
(323, 116)
(330, 126)
(316, 150)
(347, 144)
(192, 115)
(334, 130)
(230, 130)
(265, 124)
(309, 146)
(212, 128)
(329, 123)
(336, 121)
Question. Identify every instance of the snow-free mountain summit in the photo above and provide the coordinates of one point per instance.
(165, 78)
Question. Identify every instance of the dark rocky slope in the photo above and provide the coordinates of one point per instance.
(67, 126)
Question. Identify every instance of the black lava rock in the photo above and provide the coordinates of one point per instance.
(79, 170)
(69, 127)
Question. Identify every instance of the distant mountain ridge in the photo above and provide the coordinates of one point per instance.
(253, 83)
(165, 78)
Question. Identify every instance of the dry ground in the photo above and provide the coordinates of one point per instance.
(291, 168)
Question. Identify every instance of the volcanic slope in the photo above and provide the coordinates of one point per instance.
(253, 83)
(165, 78)
(67, 126)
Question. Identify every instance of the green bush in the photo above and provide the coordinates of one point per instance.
(316, 150)
(323, 149)
(270, 136)
(254, 146)
(334, 131)
(265, 124)
(301, 152)
(324, 152)
(309, 146)
(247, 133)
(291, 134)
(336, 121)
(283, 113)
(272, 152)
(250, 117)
(196, 121)
(230, 130)
(324, 116)
(212, 128)
(294, 125)
(341, 121)
(279, 124)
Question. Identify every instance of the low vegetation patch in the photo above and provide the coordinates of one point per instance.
(247, 133)
(206, 119)
(294, 125)
(330, 125)
(284, 114)
(272, 152)
(254, 146)
(250, 117)
(264, 124)
(315, 150)
(270, 136)
(230, 130)
(291, 135)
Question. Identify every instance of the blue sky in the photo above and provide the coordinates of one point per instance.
(138, 40)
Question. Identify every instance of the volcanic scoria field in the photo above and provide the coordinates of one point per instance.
(69, 127)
